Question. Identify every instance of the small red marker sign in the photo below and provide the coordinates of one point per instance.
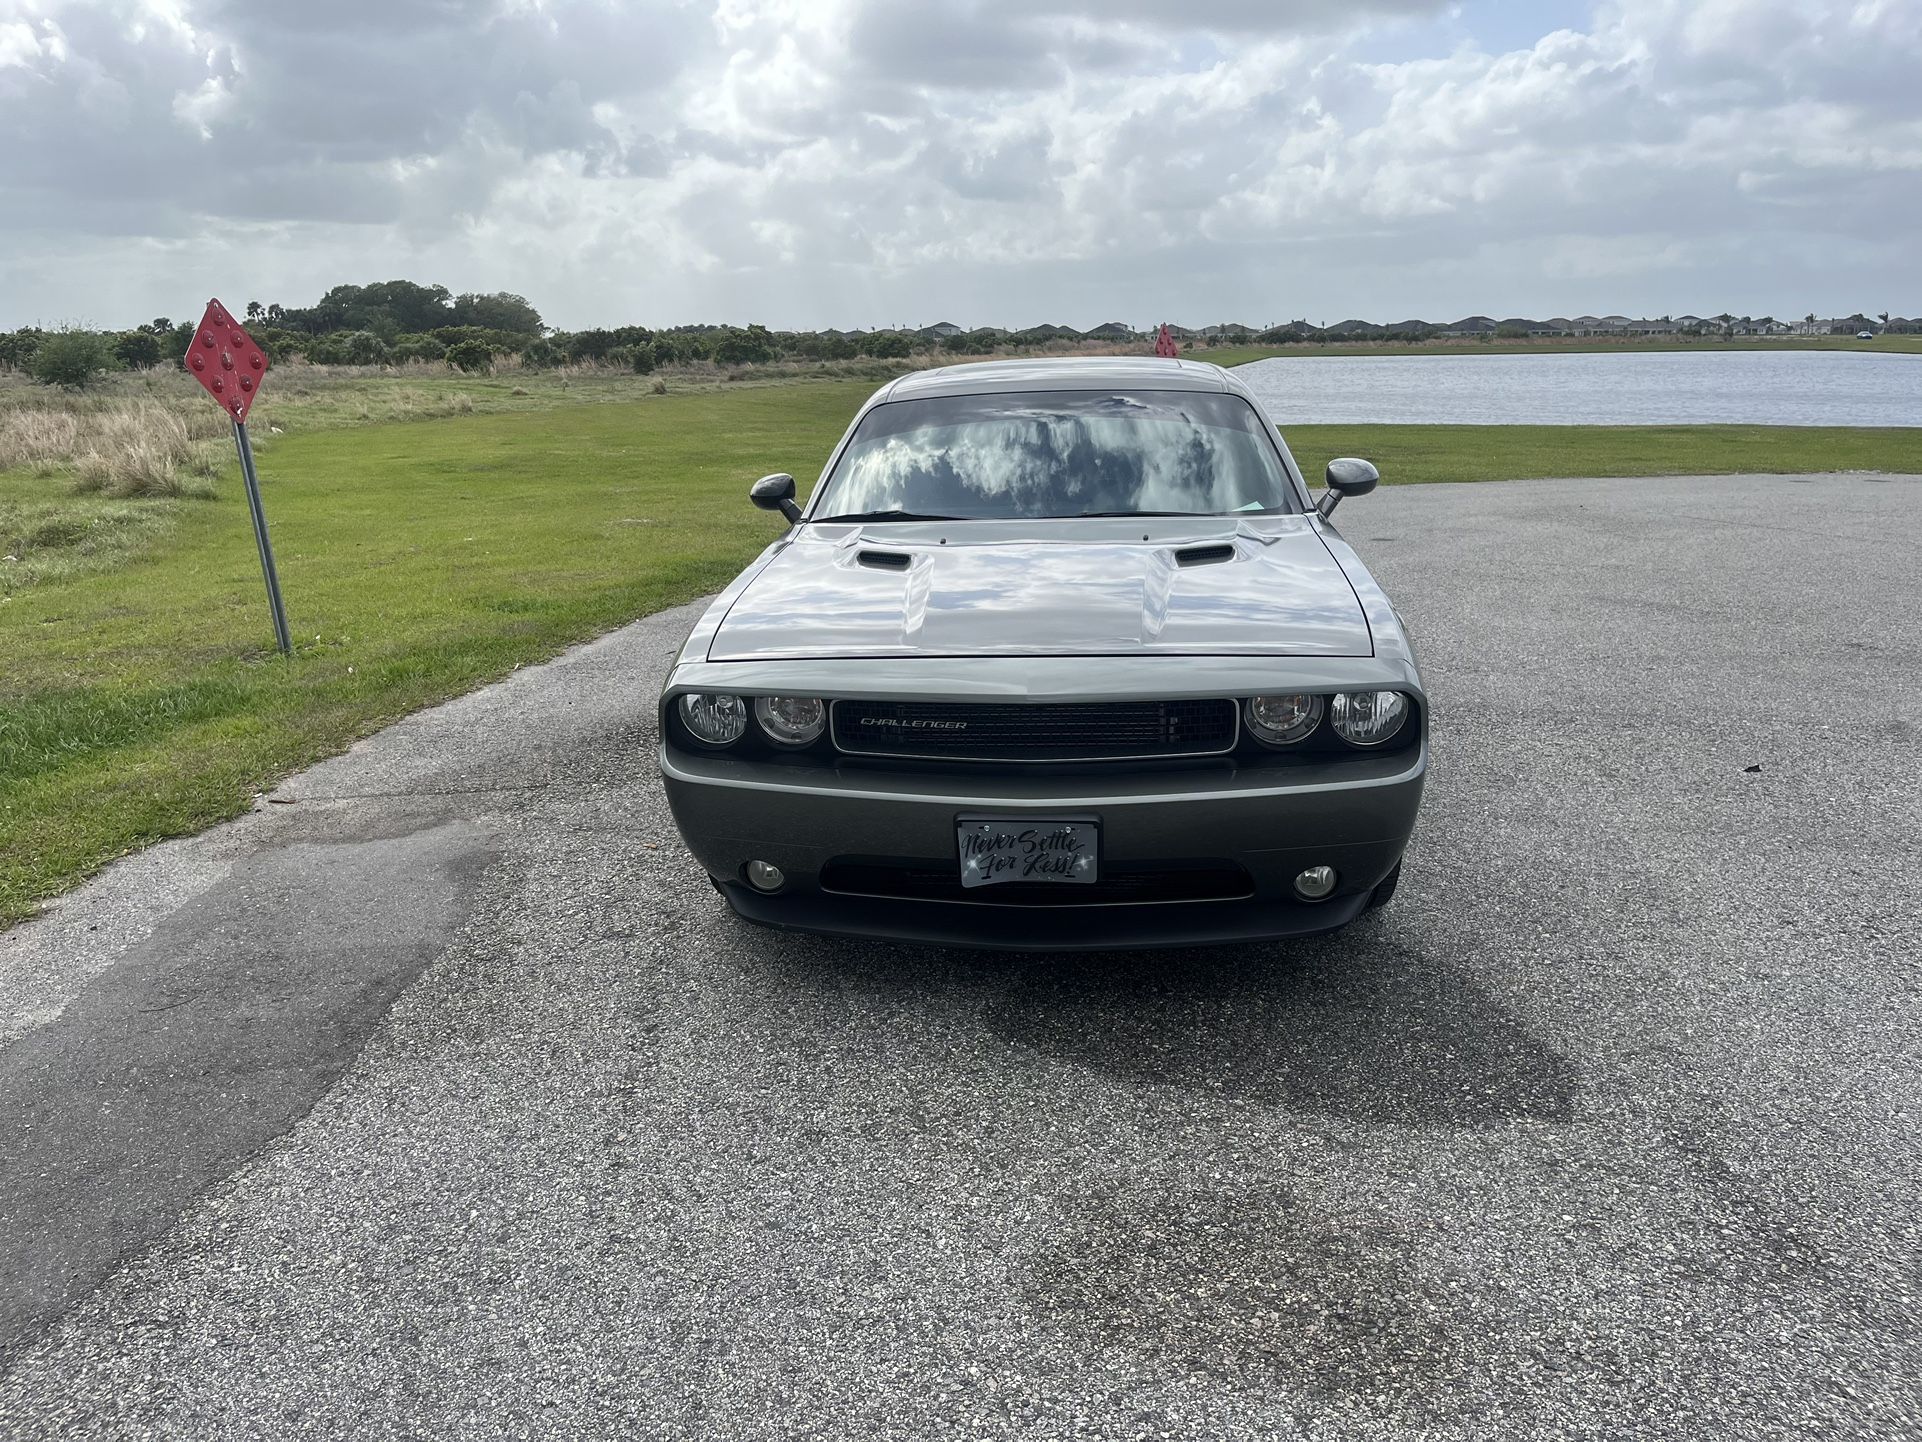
(1165, 345)
(226, 362)
(230, 368)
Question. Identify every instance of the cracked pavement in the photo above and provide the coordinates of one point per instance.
(448, 1101)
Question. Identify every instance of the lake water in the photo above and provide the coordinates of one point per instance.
(1775, 388)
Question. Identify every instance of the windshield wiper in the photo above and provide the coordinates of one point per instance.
(883, 516)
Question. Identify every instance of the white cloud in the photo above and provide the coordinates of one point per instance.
(816, 162)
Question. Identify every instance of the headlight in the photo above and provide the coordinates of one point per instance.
(714, 718)
(1368, 718)
(1282, 720)
(791, 720)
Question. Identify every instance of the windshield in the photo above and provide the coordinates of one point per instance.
(1057, 454)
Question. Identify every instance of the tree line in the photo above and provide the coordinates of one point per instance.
(392, 322)
(396, 321)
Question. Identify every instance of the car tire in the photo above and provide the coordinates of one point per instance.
(1385, 891)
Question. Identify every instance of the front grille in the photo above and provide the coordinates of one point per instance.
(1121, 883)
(1027, 731)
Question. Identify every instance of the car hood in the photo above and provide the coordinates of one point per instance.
(1258, 586)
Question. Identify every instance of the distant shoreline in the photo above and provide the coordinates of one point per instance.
(1233, 355)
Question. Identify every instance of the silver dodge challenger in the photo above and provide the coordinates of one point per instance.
(1059, 654)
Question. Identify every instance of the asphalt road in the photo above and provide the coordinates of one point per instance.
(447, 1101)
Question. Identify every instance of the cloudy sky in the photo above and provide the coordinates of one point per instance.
(807, 163)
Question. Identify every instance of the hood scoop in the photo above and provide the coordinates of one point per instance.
(883, 560)
(1205, 555)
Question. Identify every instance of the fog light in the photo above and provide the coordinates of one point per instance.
(766, 876)
(791, 720)
(1280, 720)
(1314, 883)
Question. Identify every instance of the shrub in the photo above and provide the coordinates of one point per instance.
(670, 350)
(138, 350)
(642, 359)
(589, 344)
(419, 347)
(602, 344)
(17, 348)
(541, 355)
(470, 355)
(71, 358)
(364, 348)
(496, 341)
(281, 344)
(744, 347)
(823, 347)
(325, 350)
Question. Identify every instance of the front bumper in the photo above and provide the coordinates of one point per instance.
(1353, 813)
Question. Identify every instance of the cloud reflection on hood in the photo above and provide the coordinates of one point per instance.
(1049, 588)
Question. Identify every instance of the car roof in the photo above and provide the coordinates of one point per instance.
(1061, 373)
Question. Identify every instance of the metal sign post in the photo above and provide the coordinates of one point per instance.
(230, 367)
(274, 603)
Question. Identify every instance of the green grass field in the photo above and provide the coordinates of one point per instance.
(418, 560)
(1500, 453)
(140, 697)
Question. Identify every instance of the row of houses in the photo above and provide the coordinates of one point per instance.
(1468, 327)
(1576, 327)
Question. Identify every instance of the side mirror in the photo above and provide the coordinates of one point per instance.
(776, 493)
(1347, 477)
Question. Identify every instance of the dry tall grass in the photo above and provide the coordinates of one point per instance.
(144, 452)
(122, 448)
(38, 440)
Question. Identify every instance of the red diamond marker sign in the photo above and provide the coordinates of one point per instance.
(1165, 345)
(226, 362)
(230, 368)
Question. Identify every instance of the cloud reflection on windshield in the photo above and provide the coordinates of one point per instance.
(1062, 455)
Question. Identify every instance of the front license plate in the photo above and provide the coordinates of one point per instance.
(993, 852)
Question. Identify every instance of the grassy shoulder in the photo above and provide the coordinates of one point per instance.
(1502, 453)
(418, 560)
(421, 559)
